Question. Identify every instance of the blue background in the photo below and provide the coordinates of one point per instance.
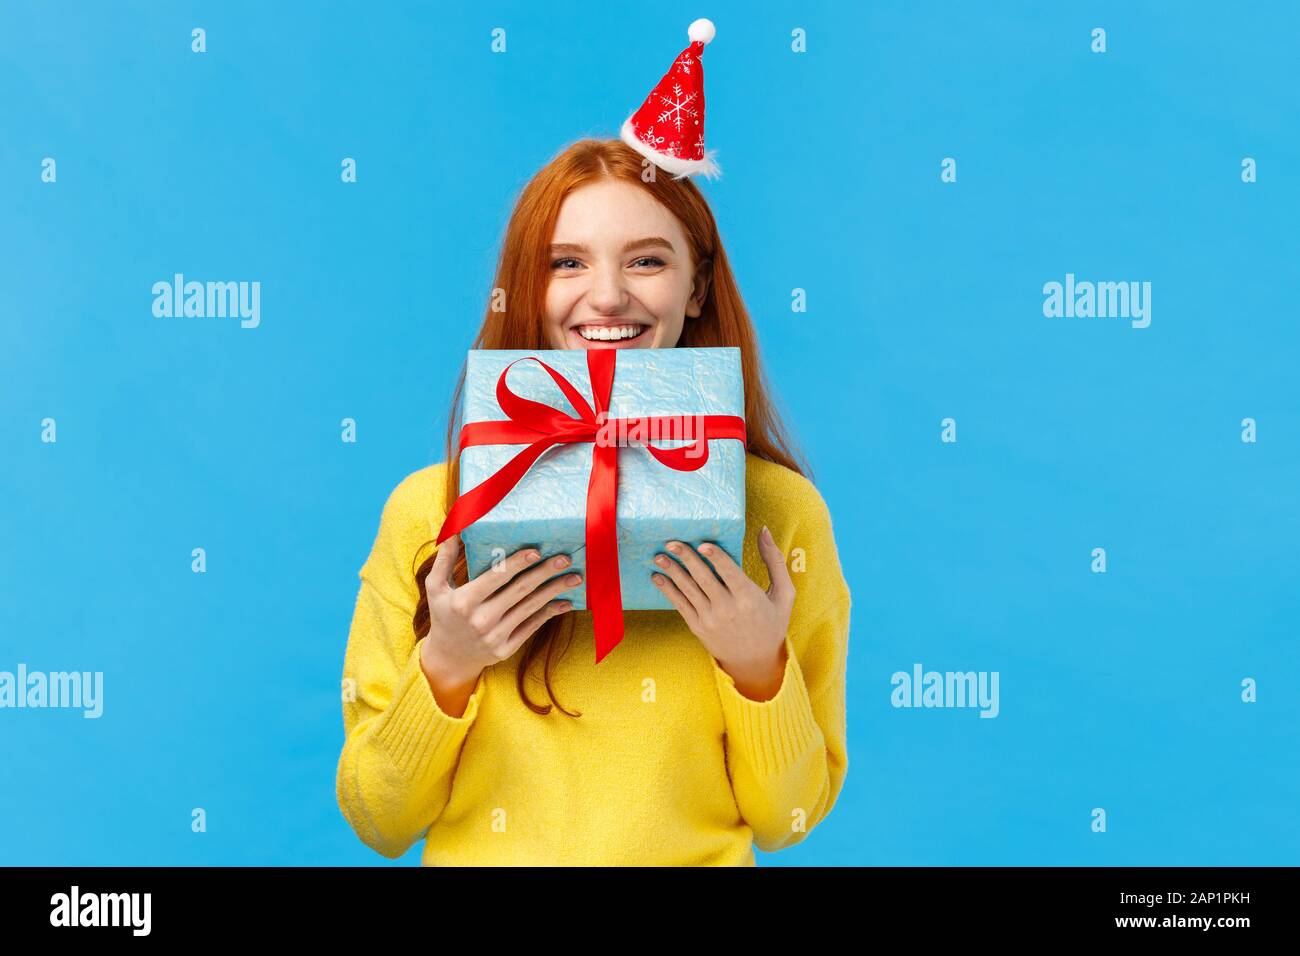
(1118, 690)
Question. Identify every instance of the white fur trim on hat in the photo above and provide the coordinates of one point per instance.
(676, 165)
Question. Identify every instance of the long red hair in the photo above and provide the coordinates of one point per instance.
(523, 272)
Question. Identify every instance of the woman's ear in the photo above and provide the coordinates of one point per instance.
(700, 290)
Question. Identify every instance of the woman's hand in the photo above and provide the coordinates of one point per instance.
(487, 619)
(740, 624)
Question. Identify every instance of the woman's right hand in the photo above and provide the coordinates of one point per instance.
(487, 619)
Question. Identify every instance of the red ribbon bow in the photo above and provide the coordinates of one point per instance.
(541, 426)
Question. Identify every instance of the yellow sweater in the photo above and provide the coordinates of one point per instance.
(669, 763)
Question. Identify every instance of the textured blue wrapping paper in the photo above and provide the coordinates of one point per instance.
(656, 504)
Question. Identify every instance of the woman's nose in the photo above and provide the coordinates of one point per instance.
(608, 292)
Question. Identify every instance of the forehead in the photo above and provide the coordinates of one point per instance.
(615, 211)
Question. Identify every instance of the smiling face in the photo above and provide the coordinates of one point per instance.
(621, 274)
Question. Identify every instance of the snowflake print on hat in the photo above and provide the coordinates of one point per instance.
(677, 106)
(668, 128)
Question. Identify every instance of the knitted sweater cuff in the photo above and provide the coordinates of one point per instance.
(772, 735)
(418, 736)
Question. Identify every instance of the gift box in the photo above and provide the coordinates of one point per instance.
(604, 455)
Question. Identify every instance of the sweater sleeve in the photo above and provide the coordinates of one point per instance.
(400, 750)
(787, 756)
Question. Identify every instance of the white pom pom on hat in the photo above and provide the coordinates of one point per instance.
(701, 30)
(668, 127)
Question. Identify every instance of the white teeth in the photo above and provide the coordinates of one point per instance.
(608, 333)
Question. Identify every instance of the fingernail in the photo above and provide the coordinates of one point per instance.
(706, 549)
(562, 561)
(767, 535)
(661, 561)
(658, 579)
(563, 606)
(573, 579)
(532, 556)
(674, 547)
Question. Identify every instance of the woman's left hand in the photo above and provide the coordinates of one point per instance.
(740, 624)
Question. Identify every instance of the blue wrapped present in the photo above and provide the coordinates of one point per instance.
(604, 455)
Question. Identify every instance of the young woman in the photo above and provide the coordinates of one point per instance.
(710, 729)
(707, 730)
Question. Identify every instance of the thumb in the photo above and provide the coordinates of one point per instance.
(445, 562)
(781, 590)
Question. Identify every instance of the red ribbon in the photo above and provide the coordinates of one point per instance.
(540, 427)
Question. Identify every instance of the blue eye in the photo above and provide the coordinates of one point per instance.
(557, 263)
(653, 260)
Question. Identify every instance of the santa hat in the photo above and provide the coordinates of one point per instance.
(668, 128)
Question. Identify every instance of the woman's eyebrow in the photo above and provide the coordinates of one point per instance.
(660, 241)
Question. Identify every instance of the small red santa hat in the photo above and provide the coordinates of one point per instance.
(668, 128)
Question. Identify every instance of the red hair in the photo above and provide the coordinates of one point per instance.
(523, 273)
